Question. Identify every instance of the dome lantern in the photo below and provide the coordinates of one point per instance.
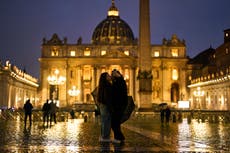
(113, 11)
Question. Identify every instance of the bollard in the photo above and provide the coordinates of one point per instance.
(203, 118)
(85, 118)
(189, 119)
(216, 118)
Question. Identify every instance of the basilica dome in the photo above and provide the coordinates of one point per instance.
(113, 30)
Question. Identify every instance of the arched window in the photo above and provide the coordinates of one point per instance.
(175, 74)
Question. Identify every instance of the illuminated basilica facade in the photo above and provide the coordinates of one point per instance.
(70, 72)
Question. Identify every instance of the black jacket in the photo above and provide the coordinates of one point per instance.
(120, 97)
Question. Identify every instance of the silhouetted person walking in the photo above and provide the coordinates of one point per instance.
(46, 111)
(53, 110)
(162, 115)
(28, 111)
(167, 114)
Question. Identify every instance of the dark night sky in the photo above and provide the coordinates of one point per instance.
(24, 23)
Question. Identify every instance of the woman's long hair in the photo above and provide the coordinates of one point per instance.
(103, 83)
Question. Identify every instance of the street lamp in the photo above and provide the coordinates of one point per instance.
(74, 92)
(56, 80)
(198, 93)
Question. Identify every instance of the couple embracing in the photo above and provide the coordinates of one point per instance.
(112, 99)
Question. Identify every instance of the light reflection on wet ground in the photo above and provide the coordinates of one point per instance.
(195, 136)
(142, 135)
(204, 136)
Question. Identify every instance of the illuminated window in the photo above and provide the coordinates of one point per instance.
(126, 52)
(156, 53)
(175, 74)
(113, 13)
(54, 52)
(174, 52)
(226, 34)
(87, 52)
(103, 52)
(226, 50)
(72, 53)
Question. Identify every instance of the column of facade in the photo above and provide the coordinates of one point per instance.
(131, 82)
(45, 91)
(228, 97)
(98, 71)
(13, 97)
(225, 97)
(67, 84)
(94, 78)
(64, 88)
(10, 96)
(207, 103)
(79, 82)
(162, 81)
(183, 84)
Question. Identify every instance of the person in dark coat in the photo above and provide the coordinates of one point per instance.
(162, 114)
(28, 111)
(104, 98)
(46, 111)
(53, 111)
(167, 114)
(119, 103)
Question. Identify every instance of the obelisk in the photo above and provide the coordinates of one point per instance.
(145, 60)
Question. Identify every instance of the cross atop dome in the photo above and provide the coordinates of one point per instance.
(113, 11)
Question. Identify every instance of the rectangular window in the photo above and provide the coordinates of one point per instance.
(72, 53)
(86, 75)
(156, 53)
(175, 74)
(87, 52)
(103, 52)
(126, 52)
(174, 52)
(54, 51)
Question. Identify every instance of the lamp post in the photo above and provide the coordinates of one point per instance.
(74, 92)
(198, 93)
(56, 80)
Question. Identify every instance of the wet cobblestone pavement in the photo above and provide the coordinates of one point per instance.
(142, 135)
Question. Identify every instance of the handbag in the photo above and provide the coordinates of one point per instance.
(128, 110)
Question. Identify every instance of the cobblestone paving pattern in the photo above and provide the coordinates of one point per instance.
(143, 135)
